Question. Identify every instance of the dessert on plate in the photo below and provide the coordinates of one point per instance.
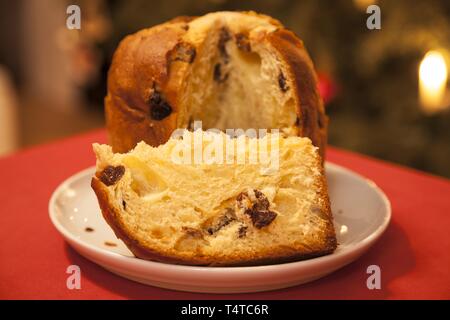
(228, 70)
(236, 213)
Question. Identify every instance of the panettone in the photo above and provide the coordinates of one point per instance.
(227, 69)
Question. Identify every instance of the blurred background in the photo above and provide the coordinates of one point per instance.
(386, 91)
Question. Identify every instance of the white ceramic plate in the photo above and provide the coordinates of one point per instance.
(361, 214)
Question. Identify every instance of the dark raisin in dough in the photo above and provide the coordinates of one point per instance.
(282, 82)
(223, 221)
(262, 202)
(183, 51)
(258, 211)
(261, 219)
(110, 175)
(217, 74)
(159, 108)
(242, 42)
(224, 37)
(242, 232)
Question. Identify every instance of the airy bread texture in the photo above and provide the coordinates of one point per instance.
(232, 213)
(227, 69)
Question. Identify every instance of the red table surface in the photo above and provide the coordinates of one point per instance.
(413, 254)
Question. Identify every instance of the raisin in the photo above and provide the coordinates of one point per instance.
(262, 203)
(124, 205)
(240, 197)
(223, 221)
(227, 217)
(89, 229)
(242, 232)
(110, 175)
(224, 37)
(217, 74)
(282, 82)
(110, 244)
(243, 201)
(159, 108)
(262, 218)
(243, 42)
(258, 210)
(183, 51)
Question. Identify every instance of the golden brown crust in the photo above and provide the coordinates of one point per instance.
(270, 256)
(313, 122)
(142, 63)
(330, 233)
(138, 65)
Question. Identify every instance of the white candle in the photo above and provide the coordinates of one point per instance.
(432, 82)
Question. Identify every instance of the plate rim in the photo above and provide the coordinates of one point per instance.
(357, 247)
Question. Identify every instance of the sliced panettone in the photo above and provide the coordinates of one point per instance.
(252, 201)
(227, 69)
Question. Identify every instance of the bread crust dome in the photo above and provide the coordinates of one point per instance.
(228, 69)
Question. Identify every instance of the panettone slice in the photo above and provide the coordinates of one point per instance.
(265, 202)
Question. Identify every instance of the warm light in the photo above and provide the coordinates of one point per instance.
(433, 71)
(432, 81)
(363, 4)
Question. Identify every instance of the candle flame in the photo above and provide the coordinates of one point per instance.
(433, 81)
(433, 70)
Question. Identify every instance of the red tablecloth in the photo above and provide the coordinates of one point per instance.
(413, 254)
